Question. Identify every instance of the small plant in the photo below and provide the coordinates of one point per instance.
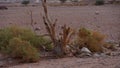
(90, 39)
(62, 1)
(23, 50)
(83, 36)
(99, 2)
(74, 0)
(94, 45)
(25, 2)
(25, 34)
(3, 8)
(41, 43)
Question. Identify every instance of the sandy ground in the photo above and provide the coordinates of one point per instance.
(107, 22)
(111, 62)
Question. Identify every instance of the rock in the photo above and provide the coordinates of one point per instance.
(97, 12)
(84, 55)
(86, 50)
(3, 8)
(113, 53)
(35, 23)
(37, 28)
(117, 44)
(96, 55)
(10, 60)
(108, 53)
(68, 49)
(103, 55)
(99, 55)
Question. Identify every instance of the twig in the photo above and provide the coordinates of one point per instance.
(31, 20)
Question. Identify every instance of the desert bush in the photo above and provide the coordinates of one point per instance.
(90, 39)
(25, 2)
(99, 2)
(8, 33)
(23, 50)
(23, 33)
(94, 45)
(98, 36)
(41, 43)
(3, 8)
(62, 1)
(74, 0)
(83, 37)
(5, 36)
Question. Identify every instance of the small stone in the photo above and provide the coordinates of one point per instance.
(84, 52)
(96, 55)
(68, 51)
(84, 49)
(35, 23)
(37, 28)
(112, 54)
(103, 55)
(84, 55)
(97, 12)
(117, 45)
(9, 60)
(99, 55)
(109, 53)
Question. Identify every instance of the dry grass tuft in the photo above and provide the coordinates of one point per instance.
(23, 50)
(90, 39)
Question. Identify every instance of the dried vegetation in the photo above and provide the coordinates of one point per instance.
(26, 45)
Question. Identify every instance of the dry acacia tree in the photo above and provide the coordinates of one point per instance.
(61, 42)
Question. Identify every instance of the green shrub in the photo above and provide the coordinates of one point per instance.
(40, 42)
(99, 2)
(90, 39)
(62, 1)
(49, 47)
(25, 34)
(5, 36)
(25, 2)
(23, 50)
(8, 33)
(83, 36)
(74, 0)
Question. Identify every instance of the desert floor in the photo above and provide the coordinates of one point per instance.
(111, 62)
(105, 19)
